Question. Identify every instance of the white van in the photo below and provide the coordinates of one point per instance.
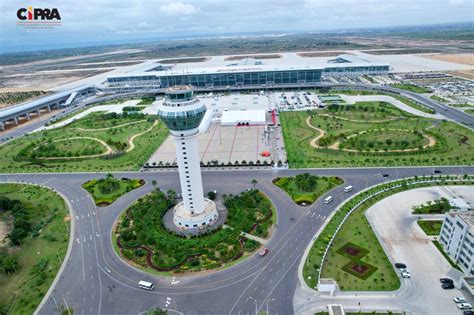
(146, 285)
(348, 189)
(328, 199)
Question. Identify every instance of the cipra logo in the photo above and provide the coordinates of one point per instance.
(38, 17)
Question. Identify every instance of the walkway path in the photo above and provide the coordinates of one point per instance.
(131, 145)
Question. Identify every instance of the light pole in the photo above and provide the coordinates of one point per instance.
(255, 304)
(268, 301)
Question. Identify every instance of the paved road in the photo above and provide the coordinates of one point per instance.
(96, 281)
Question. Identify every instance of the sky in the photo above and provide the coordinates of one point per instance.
(98, 22)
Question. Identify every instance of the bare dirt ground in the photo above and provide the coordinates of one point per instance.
(4, 230)
(465, 59)
(38, 81)
(468, 74)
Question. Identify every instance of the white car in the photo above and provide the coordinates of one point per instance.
(464, 306)
(406, 274)
(459, 299)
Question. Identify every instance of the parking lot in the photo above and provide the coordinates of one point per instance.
(405, 242)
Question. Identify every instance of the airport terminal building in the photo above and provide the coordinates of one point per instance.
(246, 72)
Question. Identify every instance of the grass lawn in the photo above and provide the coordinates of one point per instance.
(454, 143)
(414, 104)
(22, 291)
(303, 197)
(382, 139)
(104, 196)
(431, 227)
(410, 87)
(19, 156)
(469, 111)
(439, 99)
(141, 225)
(461, 105)
(373, 272)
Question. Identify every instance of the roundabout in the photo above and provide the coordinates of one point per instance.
(262, 278)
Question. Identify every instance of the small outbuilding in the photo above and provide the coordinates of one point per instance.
(243, 117)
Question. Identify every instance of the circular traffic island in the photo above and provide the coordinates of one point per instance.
(144, 240)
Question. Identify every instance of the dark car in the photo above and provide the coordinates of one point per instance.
(400, 265)
(437, 172)
(447, 286)
(468, 313)
(446, 280)
(385, 175)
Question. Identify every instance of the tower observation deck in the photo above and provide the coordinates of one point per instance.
(182, 114)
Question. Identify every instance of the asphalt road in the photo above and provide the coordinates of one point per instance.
(96, 281)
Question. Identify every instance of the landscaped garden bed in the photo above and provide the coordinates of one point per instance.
(358, 135)
(106, 190)
(305, 188)
(439, 206)
(97, 142)
(143, 239)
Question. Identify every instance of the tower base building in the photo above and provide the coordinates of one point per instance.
(182, 113)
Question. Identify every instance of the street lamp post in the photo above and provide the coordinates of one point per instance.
(256, 310)
(268, 301)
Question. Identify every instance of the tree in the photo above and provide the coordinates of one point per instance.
(154, 183)
(254, 182)
(211, 195)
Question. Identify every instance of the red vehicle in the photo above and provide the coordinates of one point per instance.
(263, 252)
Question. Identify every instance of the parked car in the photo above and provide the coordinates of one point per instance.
(447, 286)
(459, 299)
(263, 252)
(468, 313)
(406, 274)
(446, 280)
(400, 265)
(464, 306)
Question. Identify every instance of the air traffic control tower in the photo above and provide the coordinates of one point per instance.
(183, 113)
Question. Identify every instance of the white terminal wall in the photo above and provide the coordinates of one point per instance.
(253, 117)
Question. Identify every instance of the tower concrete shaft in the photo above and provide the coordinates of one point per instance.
(187, 156)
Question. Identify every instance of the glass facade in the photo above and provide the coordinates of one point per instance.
(222, 79)
(247, 78)
(183, 120)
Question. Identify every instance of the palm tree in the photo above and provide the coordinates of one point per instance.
(254, 182)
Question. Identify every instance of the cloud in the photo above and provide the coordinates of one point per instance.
(179, 9)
